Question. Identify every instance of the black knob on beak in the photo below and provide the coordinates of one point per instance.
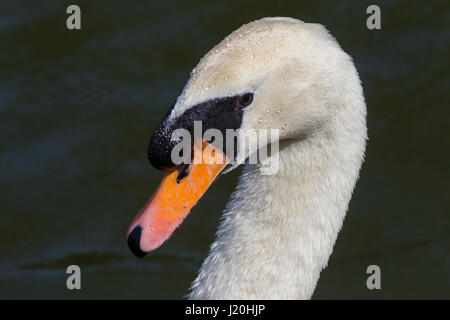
(159, 150)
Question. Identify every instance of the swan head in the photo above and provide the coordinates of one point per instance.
(271, 74)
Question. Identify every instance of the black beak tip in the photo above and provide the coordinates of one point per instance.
(134, 239)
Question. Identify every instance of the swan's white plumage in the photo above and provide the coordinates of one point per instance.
(278, 231)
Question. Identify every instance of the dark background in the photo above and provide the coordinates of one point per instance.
(77, 109)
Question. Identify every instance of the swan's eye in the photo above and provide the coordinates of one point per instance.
(244, 100)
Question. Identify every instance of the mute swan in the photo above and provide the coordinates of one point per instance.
(278, 231)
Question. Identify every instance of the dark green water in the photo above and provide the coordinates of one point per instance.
(77, 109)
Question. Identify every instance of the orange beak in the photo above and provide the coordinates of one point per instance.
(174, 199)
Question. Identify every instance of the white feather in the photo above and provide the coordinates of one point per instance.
(278, 231)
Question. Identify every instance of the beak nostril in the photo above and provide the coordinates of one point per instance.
(134, 240)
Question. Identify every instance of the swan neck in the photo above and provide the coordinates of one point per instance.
(278, 231)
